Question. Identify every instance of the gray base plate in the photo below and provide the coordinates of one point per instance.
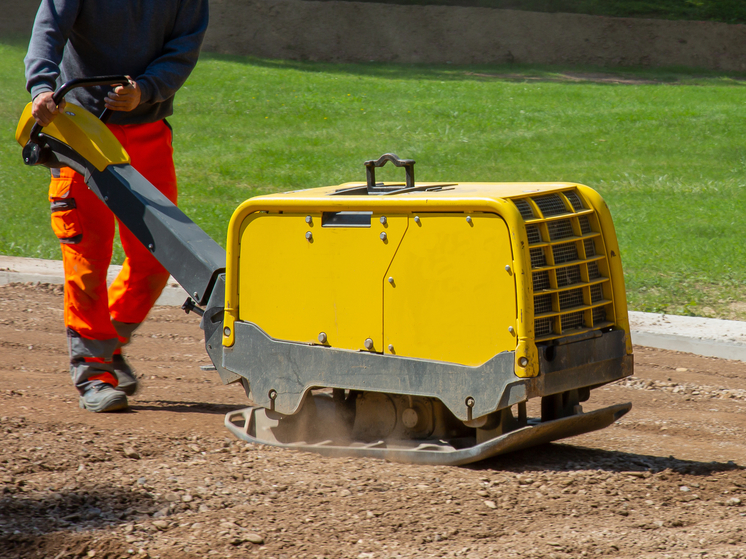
(254, 425)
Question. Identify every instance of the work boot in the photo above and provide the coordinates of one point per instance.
(125, 375)
(103, 397)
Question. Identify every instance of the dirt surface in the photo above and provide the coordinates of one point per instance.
(165, 480)
(336, 31)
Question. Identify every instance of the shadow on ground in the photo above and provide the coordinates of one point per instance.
(83, 508)
(565, 457)
(183, 407)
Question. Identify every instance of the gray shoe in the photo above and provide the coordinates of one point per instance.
(102, 397)
(125, 375)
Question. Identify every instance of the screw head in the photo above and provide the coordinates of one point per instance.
(309, 236)
(511, 330)
(391, 280)
(391, 348)
(383, 220)
(368, 343)
(383, 236)
(151, 247)
(308, 219)
(468, 219)
(417, 219)
(195, 295)
(523, 362)
(226, 332)
(322, 337)
(470, 402)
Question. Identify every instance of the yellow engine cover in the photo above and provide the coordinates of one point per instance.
(445, 272)
(431, 288)
(449, 294)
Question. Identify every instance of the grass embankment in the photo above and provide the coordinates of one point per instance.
(668, 157)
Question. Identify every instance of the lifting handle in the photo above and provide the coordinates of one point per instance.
(33, 151)
(370, 168)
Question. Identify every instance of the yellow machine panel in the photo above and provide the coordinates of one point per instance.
(450, 292)
(522, 264)
(76, 127)
(304, 281)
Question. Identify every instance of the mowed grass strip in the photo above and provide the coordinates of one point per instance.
(665, 149)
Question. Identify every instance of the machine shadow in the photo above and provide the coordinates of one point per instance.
(565, 457)
(183, 407)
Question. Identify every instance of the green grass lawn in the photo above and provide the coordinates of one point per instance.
(668, 157)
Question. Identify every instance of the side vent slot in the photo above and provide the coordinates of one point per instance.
(569, 269)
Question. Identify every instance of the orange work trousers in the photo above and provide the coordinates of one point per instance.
(86, 228)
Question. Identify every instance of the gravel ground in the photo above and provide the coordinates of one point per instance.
(166, 481)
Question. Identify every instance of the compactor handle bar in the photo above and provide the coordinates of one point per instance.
(66, 87)
(370, 168)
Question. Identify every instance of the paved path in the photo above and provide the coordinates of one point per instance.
(702, 336)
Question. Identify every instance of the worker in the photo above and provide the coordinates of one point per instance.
(156, 44)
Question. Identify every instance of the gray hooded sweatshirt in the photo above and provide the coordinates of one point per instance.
(156, 42)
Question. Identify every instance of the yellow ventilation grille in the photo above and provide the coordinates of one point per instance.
(572, 290)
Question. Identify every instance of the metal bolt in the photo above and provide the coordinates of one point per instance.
(417, 219)
(468, 219)
(151, 247)
(368, 343)
(227, 332)
(383, 236)
(309, 236)
(507, 268)
(322, 337)
(106, 198)
(383, 220)
(511, 330)
(391, 280)
(391, 348)
(272, 396)
(470, 402)
(195, 295)
(308, 219)
(523, 362)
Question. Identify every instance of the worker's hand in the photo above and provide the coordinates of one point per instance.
(124, 98)
(43, 108)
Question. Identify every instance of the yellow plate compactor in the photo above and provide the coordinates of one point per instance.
(412, 322)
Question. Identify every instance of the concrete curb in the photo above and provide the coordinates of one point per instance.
(14, 269)
(709, 337)
(703, 336)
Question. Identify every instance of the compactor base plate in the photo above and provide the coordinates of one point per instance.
(255, 425)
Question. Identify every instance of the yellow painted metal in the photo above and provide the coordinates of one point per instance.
(452, 294)
(614, 259)
(299, 281)
(472, 198)
(83, 132)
